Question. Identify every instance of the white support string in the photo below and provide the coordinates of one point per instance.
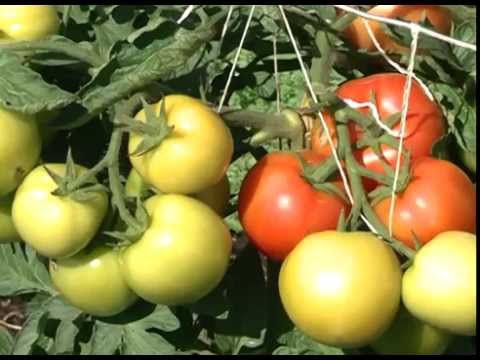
(408, 25)
(415, 30)
(235, 60)
(186, 13)
(227, 20)
(324, 124)
(393, 63)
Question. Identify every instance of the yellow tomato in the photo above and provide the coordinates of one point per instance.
(28, 22)
(20, 146)
(193, 157)
(440, 288)
(341, 289)
(92, 281)
(410, 336)
(438, 16)
(55, 226)
(8, 233)
(182, 256)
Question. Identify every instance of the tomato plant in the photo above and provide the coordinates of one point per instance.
(46, 221)
(28, 22)
(92, 281)
(439, 197)
(325, 271)
(20, 146)
(199, 141)
(187, 245)
(278, 207)
(440, 286)
(209, 215)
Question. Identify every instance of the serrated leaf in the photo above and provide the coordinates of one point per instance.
(161, 318)
(6, 342)
(22, 273)
(109, 33)
(59, 309)
(106, 339)
(139, 342)
(30, 333)
(65, 337)
(466, 32)
(297, 342)
(24, 90)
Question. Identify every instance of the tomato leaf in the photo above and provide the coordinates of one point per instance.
(106, 339)
(6, 342)
(65, 337)
(21, 271)
(24, 90)
(30, 333)
(297, 343)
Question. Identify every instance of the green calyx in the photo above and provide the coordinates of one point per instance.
(68, 184)
(153, 131)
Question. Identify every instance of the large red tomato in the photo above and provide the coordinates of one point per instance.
(278, 207)
(440, 197)
(424, 124)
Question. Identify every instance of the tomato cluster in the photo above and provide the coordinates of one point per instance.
(346, 288)
(342, 288)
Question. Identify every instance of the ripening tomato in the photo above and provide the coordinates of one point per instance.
(440, 197)
(440, 287)
(20, 146)
(409, 336)
(341, 288)
(357, 34)
(8, 233)
(92, 281)
(28, 22)
(193, 157)
(424, 122)
(277, 207)
(182, 256)
(56, 226)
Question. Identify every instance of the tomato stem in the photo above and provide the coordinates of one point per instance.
(360, 198)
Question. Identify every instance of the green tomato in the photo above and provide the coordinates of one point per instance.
(182, 256)
(8, 233)
(28, 22)
(20, 146)
(55, 226)
(193, 157)
(92, 281)
(408, 335)
(440, 287)
(341, 288)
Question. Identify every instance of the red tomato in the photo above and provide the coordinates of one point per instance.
(424, 124)
(440, 197)
(278, 208)
(439, 17)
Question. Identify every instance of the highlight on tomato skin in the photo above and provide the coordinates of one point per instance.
(439, 197)
(277, 207)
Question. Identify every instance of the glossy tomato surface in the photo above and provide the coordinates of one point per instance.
(182, 256)
(56, 226)
(440, 287)
(341, 288)
(278, 207)
(92, 281)
(440, 197)
(193, 157)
